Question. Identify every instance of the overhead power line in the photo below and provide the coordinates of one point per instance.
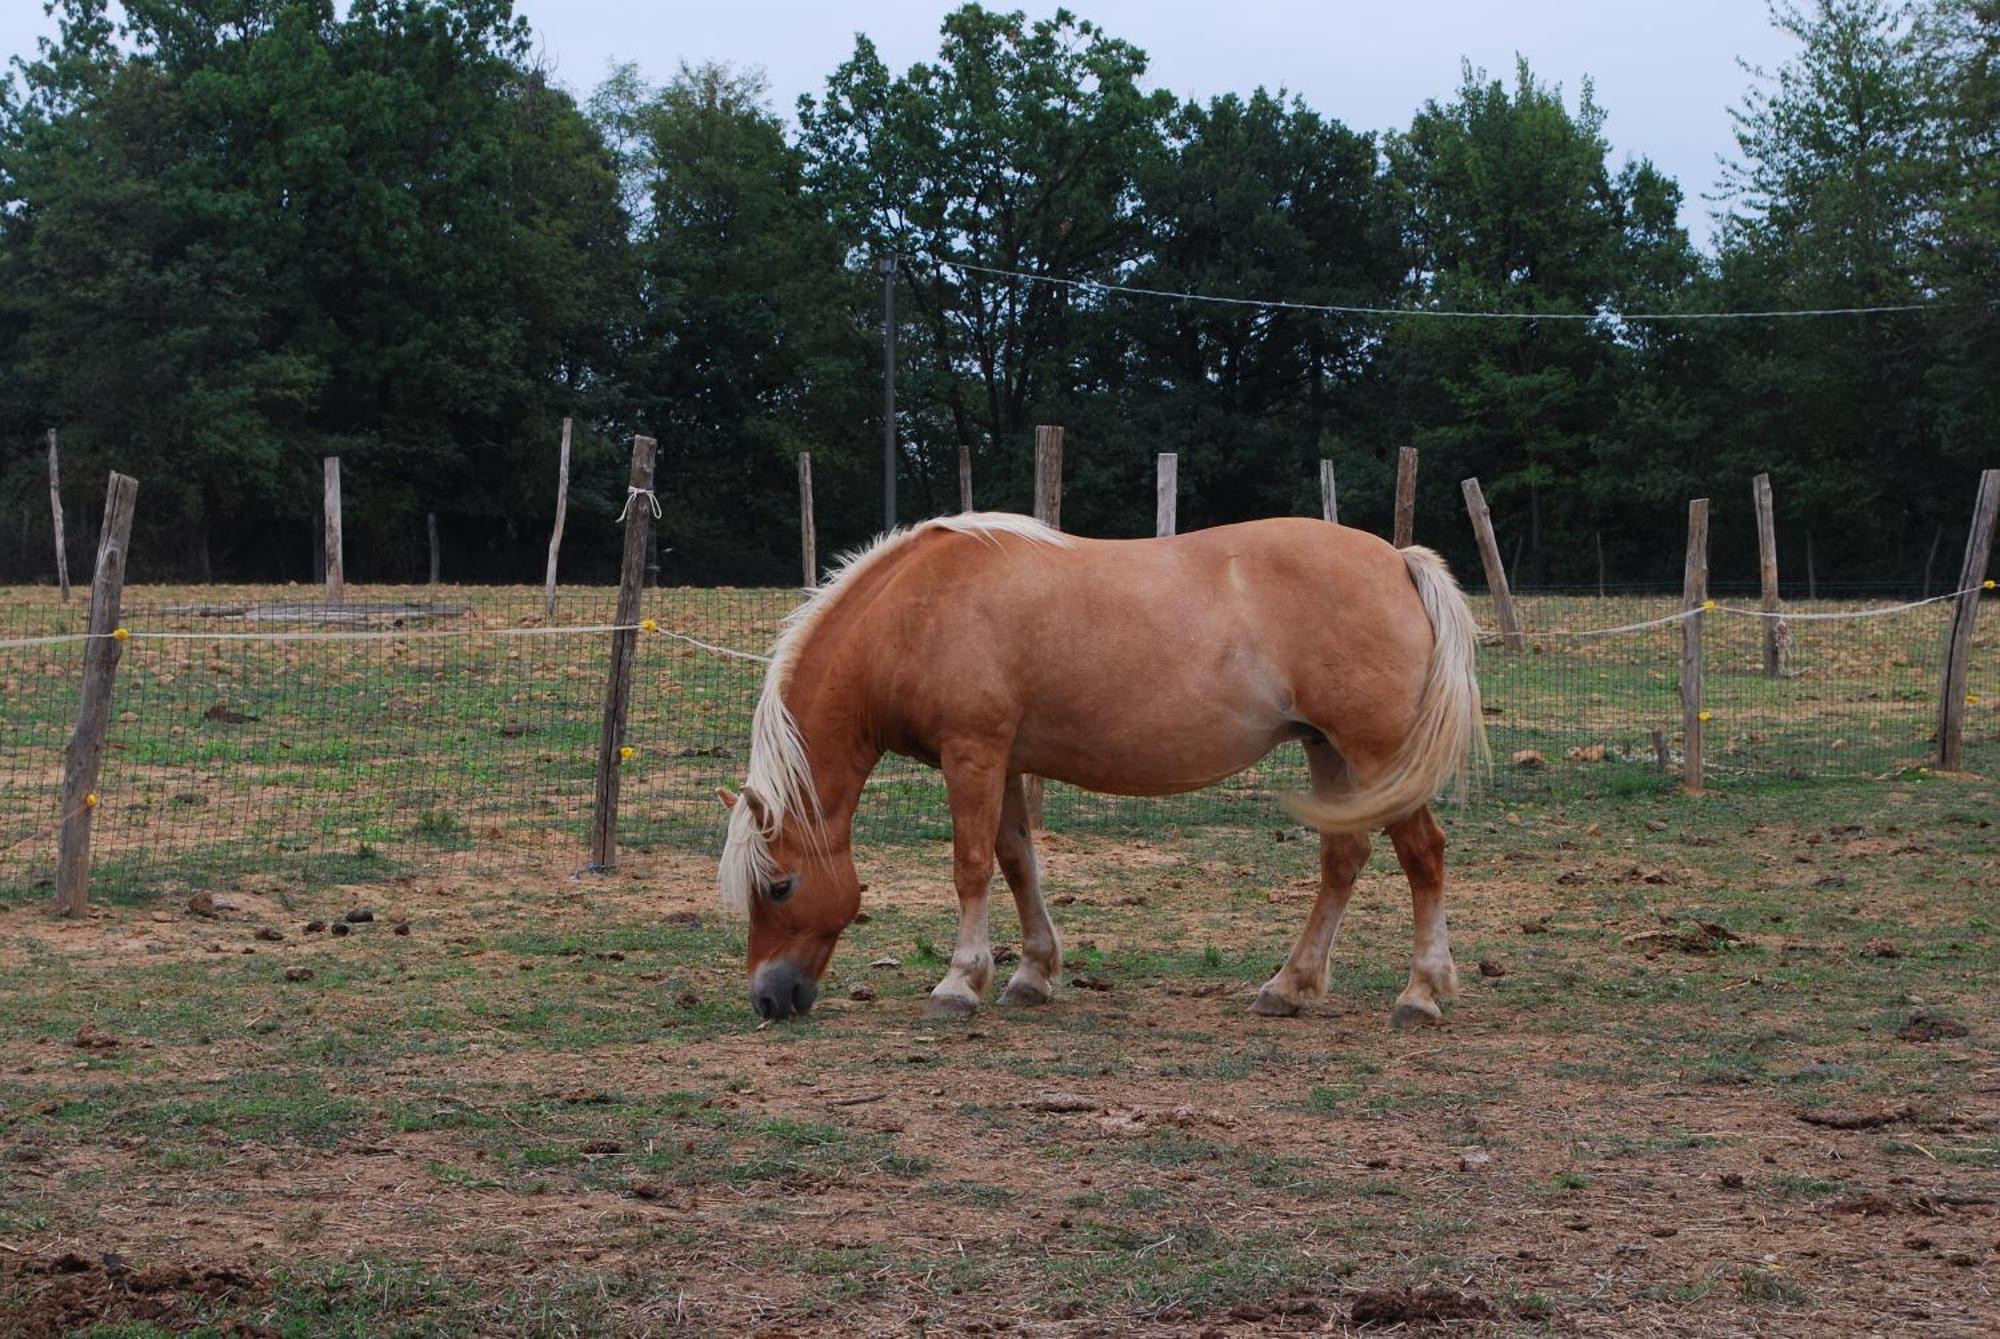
(1341, 309)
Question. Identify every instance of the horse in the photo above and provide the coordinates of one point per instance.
(993, 647)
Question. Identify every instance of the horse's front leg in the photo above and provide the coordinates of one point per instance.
(1034, 980)
(974, 777)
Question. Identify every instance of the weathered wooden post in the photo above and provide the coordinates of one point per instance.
(1166, 493)
(964, 477)
(1496, 575)
(336, 585)
(1048, 475)
(1048, 510)
(431, 527)
(93, 714)
(1767, 571)
(55, 505)
(808, 536)
(1694, 598)
(1406, 496)
(624, 645)
(562, 513)
(1329, 502)
(1964, 615)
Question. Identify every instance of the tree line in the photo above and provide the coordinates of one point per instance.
(237, 236)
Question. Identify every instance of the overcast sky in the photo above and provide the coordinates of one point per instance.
(1666, 73)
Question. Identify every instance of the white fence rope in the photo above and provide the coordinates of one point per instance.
(649, 625)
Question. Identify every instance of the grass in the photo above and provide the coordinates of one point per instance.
(547, 1110)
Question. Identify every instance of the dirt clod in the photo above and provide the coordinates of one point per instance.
(201, 904)
(1417, 1306)
(314, 927)
(1490, 968)
(863, 993)
(359, 916)
(341, 928)
(268, 935)
(1062, 1102)
(403, 928)
(90, 1037)
(1923, 1026)
(1880, 948)
(1839, 1119)
(1090, 983)
(298, 974)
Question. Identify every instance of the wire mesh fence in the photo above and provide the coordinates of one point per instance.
(408, 726)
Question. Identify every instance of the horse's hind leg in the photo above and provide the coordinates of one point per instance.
(974, 778)
(1034, 980)
(1341, 856)
(1420, 849)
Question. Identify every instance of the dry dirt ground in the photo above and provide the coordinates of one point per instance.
(1723, 1066)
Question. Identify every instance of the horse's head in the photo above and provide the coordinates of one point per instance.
(796, 882)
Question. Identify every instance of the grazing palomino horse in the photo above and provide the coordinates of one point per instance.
(994, 647)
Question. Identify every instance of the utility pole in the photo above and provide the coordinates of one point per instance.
(887, 265)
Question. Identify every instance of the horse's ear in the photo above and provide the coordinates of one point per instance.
(727, 796)
(759, 812)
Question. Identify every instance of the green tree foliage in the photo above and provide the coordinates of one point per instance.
(1018, 150)
(1829, 206)
(251, 233)
(237, 235)
(748, 344)
(1504, 202)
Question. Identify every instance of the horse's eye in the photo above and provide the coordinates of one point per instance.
(780, 889)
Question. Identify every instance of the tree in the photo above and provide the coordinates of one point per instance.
(747, 347)
(250, 233)
(1829, 206)
(1504, 203)
(1018, 151)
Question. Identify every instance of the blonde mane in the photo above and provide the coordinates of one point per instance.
(780, 776)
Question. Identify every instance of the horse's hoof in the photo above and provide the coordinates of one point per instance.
(1025, 994)
(950, 1006)
(1417, 1015)
(1273, 1005)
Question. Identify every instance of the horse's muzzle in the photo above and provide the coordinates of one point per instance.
(780, 990)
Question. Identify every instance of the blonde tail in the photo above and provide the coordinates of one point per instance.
(1450, 729)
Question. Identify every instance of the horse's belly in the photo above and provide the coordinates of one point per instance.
(1142, 762)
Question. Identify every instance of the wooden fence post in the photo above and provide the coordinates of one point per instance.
(336, 585)
(1767, 571)
(1329, 503)
(624, 645)
(93, 713)
(808, 534)
(1964, 614)
(1166, 493)
(1048, 510)
(562, 514)
(1694, 595)
(1406, 497)
(55, 505)
(431, 527)
(1496, 575)
(964, 477)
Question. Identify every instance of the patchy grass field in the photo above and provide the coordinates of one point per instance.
(1720, 1066)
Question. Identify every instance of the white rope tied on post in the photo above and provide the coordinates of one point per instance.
(652, 500)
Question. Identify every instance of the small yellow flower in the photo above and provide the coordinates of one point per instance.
(120, 634)
(649, 625)
(625, 753)
(1701, 715)
(1972, 699)
(1987, 584)
(1708, 604)
(90, 800)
